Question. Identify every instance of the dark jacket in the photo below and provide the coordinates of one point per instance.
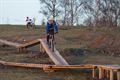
(48, 26)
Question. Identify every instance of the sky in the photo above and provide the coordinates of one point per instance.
(16, 11)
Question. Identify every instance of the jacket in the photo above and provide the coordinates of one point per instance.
(54, 26)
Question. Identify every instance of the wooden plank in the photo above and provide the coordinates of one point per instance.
(55, 56)
(107, 74)
(101, 73)
(17, 45)
(25, 65)
(46, 66)
(111, 75)
(10, 43)
(31, 43)
(113, 67)
(72, 66)
(110, 67)
(94, 73)
(40, 48)
(118, 75)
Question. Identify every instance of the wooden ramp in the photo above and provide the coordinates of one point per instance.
(82, 66)
(24, 65)
(45, 66)
(18, 45)
(55, 56)
(30, 44)
(110, 67)
(109, 71)
(10, 43)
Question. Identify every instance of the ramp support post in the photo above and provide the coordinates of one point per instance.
(94, 73)
(111, 75)
(118, 75)
(101, 72)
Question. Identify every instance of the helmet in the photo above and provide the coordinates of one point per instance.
(27, 17)
(51, 18)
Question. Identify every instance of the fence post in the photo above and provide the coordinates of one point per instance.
(111, 75)
(118, 75)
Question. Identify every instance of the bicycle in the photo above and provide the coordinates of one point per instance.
(51, 42)
(29, 25)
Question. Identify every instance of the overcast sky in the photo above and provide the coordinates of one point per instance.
(16, 11)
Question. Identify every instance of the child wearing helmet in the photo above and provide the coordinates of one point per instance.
(51, 28)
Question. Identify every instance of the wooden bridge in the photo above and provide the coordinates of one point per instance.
(10, 43)
(20, 46)
(55, 56)
(105, 71)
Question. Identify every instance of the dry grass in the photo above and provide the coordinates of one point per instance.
(75, 38)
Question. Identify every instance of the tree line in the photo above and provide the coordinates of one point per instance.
(94, 12)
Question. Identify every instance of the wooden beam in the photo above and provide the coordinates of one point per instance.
(111, 75)
(104, 73)
(17, 45)
(10, 43)
(40, 48)
(29, 44)
(24, 65)
(72, 67)
(94, 73)
(55, 56)
(118, 75)
(107, 74)
(109, 67)
(101, 73)
(46, 66)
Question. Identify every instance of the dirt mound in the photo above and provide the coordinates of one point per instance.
(86, 36)
(100, 40)
(112, 46)
(60, 40)
(107, 43)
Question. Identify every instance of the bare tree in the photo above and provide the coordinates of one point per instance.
(110, 10)
(99, 12)
(64, 4)
(103, 12)
(50, 7)
(91, 9)
(71, 10)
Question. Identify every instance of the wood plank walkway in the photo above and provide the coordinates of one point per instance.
(10, 43)
(24, 65)
(46, 66)
(60, 62)
(110, 67)
(55, 56)
(109, 71)
(18, 45)
(30, 44)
